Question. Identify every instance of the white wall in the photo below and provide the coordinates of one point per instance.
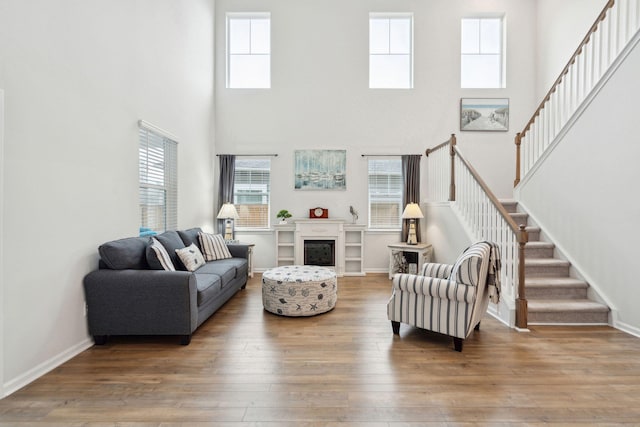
(561, 26)
(77, 77)
(583, 196)
(320, 98)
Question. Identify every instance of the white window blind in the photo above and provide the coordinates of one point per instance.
(252, 192)
(391, 51)
(248, 50)
(482, 61)
(385, 193)
(158, 162)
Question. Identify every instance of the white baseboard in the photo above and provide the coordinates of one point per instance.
(46, 366)
(632, 330)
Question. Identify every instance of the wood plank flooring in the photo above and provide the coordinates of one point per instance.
(247, 367)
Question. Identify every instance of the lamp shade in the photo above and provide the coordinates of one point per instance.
(412, 211)
(228, 211)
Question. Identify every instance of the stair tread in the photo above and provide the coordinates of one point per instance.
(562, 305)
(555, 282)
(538, 245)
(545, 262)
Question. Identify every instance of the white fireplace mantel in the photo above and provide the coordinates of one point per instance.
(348, 242)
(325, 229)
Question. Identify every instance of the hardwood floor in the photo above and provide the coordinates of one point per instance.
(247, 367)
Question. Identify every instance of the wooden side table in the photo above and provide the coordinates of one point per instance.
(424, 252)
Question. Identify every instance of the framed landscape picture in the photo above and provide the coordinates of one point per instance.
(320, 169)
(484, 114)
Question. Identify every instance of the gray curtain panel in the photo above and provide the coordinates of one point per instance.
(225, 185)
(411, 193)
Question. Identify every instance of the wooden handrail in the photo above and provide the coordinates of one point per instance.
(521, 233)
(519, 230)
(437, 147)
(494, 200)
(565, 70)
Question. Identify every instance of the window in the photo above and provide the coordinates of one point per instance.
(251, 192)
(158, 188)
(482, 61)
(385, 193)
(248, 50)
(391, 51)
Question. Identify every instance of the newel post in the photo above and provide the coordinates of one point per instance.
(518, 142)
(521, 302)
(452, 152)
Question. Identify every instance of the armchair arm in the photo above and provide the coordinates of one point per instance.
(141, 302)
(238, 250)
(440, 271)
(434, 287)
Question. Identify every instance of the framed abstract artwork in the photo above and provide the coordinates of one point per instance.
(320, 169)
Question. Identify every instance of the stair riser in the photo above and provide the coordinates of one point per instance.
(547, 271)
(511, 207)
(534, 235)
(568, 317)
(520, 219)
(538, 252)
(549, 292)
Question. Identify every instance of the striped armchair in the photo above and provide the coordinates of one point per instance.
(449, 299)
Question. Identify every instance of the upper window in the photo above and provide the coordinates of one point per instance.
(248, 50)
(385, 193)
(482, 58)
(391, 51)
(158, 186)
(251, 192)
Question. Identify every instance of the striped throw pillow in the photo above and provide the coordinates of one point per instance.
(191, 257)
(162, 255)
(213, 246)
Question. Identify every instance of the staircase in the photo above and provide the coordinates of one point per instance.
(554, 297)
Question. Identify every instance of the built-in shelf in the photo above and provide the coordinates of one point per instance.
(354, 250)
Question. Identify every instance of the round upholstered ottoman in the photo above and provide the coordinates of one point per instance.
(299, 290)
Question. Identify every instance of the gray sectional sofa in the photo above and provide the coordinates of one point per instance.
(131, 295)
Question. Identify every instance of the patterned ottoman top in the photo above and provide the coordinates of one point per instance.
(299, 273)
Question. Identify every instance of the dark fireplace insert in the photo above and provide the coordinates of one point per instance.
(320, 252)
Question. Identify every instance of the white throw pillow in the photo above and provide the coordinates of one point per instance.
(191, 257)
(213, 246)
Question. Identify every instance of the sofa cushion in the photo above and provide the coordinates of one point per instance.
(125, 253)
(226, 271)
(191, 257)
(191, 236)
(208, 285)
(157, 256)
(213, 247)
(171, 241)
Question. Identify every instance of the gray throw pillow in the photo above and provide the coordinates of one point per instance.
(127, 253)
(171, 241)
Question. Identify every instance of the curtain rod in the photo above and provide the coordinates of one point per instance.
(248, 155)
(387, 155)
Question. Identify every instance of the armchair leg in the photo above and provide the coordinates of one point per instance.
(457, 344)
(185, 339)
(396, 327)
(477, 328)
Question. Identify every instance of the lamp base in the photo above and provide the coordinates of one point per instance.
(228, 229)
(411, 236)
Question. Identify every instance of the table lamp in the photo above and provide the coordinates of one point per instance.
(229, 213)
(412, 212)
